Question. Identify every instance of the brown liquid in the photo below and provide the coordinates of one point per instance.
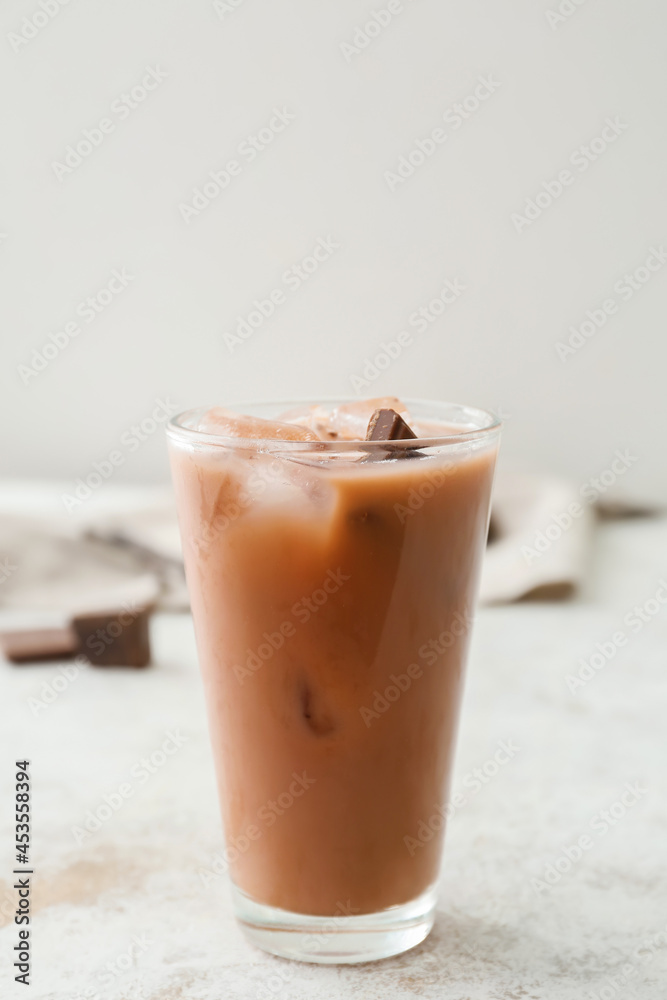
(351, 589)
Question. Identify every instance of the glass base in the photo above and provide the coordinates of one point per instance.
(336, 939)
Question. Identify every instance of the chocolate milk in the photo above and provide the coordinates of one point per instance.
(332, 598)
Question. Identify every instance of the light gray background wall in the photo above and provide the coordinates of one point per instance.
(556, 78)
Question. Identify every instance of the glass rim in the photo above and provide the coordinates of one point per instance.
(179, 431)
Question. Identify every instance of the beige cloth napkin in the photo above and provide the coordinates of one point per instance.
(126, 547)
(540, 550)
(49, 577)
(53, 565)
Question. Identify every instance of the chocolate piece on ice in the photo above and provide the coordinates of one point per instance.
(388, 425)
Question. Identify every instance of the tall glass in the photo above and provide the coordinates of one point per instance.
(333, 588)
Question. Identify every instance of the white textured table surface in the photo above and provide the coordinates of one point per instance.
(129, 895)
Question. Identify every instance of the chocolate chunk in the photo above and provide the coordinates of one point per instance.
(27, 645)
(115, 639)
(388, 425)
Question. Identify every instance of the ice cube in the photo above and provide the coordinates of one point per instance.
(314, 417)
(350, 421)
(217, 420)
(311, 483)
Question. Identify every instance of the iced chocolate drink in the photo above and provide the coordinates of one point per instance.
(332, 555)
